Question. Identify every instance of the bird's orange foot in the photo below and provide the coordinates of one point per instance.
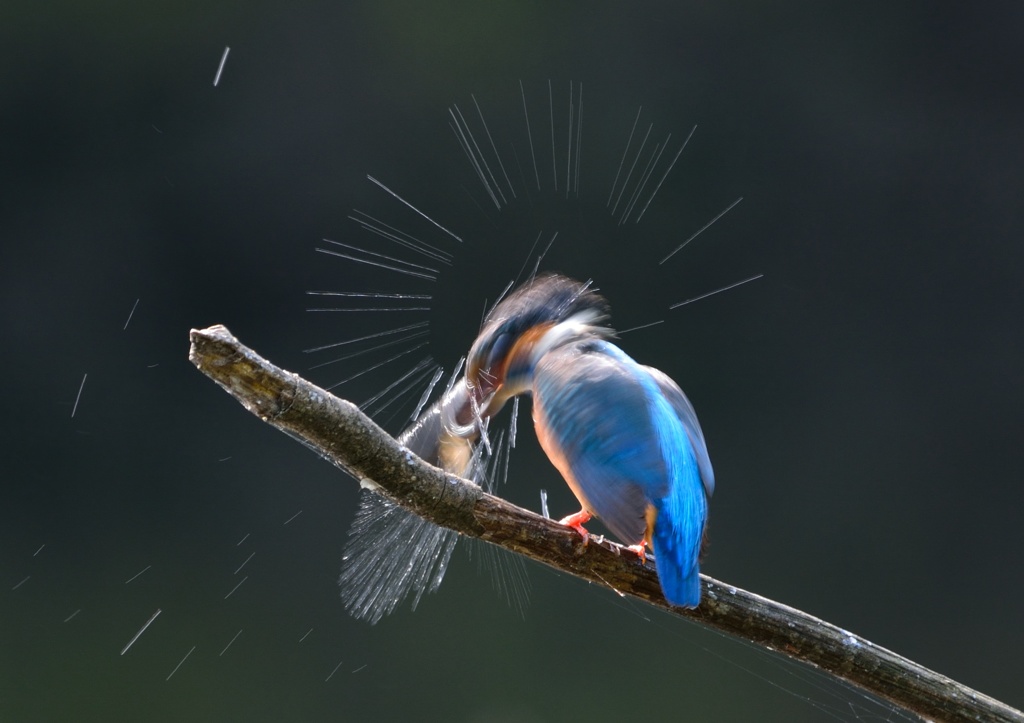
(576, 522)
(640, 550)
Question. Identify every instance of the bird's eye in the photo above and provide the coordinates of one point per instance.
(499, 350)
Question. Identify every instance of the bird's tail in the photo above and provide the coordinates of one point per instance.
(676, 538)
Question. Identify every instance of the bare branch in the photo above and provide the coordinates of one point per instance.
(343, 435)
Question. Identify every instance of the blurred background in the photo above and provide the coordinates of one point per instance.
(862, 401)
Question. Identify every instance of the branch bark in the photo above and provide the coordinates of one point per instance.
(343, 435)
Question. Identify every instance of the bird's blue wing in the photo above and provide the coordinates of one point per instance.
(594, 421)
(625, 437)
(684, 410)
(682, 513)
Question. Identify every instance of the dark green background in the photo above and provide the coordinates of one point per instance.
(862, 401)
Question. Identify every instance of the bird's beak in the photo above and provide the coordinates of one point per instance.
(482, 387)
(467, 411)
(487, 399)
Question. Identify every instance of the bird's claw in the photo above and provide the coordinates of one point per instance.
(640, 550)
(576, 522)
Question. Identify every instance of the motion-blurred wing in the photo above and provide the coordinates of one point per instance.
(392, 553)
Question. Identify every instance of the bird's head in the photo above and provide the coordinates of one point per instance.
(539, 316)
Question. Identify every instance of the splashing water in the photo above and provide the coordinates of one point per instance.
(392, 554)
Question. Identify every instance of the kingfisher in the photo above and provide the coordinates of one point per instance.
(623, 435)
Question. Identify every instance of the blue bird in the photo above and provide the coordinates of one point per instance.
(624, 436)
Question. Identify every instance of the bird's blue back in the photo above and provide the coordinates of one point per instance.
(626, 439)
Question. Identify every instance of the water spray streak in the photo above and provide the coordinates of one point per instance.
(393, 555)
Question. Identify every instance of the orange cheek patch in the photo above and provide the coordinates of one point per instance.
(525, 343)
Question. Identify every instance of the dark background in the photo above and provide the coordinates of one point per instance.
(862, 401)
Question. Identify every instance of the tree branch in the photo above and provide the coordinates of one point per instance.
(343, 435)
